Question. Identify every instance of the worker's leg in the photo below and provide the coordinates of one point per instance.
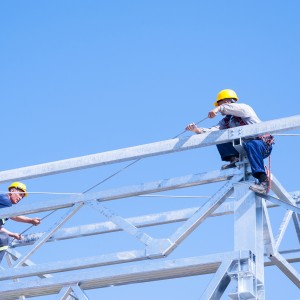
(257, 151)
(4, 239)
(227, 151)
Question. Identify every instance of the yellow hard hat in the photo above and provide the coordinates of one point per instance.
(226, 94)
(19, 185)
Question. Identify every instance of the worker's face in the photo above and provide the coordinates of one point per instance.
(223, 101)
(15, 195)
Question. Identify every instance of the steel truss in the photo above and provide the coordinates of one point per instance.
(255, 246)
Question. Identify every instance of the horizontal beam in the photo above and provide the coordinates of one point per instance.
(152, 149)
(158, 270)
(152, 270)
(162, 218)
(129, 191)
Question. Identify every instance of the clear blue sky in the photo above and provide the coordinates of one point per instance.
(82, 77)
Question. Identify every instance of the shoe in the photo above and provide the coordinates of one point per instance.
(232, 164)
(260, 188)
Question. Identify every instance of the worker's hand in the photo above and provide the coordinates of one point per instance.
(16, 236)
(194, 128)
(213, 112)
(35, 221)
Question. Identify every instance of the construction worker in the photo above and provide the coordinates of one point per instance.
(257, 148)
(16, 192)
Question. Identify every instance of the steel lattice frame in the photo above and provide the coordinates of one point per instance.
(243, 266)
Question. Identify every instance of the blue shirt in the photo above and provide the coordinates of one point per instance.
(4, 202)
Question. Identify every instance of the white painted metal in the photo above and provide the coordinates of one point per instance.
(248, 211)
(296, 219)
(244, 265)
(283, 227)
(219, 283)
(141, 221)
(147, 150)
(129, 191)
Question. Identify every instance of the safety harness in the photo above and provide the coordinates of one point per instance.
(268, 139)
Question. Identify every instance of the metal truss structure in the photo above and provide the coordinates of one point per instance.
(255, 246)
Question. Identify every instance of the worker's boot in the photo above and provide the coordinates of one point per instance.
(232, 164)
(261, 187)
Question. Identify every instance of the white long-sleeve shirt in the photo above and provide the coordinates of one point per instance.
(241, 110)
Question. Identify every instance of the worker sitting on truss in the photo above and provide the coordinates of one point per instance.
(17, 191)
(257, 148)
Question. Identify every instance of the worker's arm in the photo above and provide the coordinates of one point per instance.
(239, 110)
(12, 234)
(24, 219)
(193, 127)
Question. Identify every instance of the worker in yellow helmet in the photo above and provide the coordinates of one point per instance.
(16, 192)
(258, 148)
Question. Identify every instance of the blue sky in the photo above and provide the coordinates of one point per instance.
(82, 77)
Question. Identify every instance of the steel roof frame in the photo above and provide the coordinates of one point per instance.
(247, 258)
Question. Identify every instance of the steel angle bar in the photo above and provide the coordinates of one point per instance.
(268, 232)
(281, 202)
(151, 270)
(109, 227)
(281, 193)
(64, 293)
(152, 149)
(158, 270)
(203, 212)
(283, 227)
(79, 292)
(15, 256)
(123, 192)
(9, 263)
(42, 240)
(275, 257)
(286, 268)
(25, 209)
(122, 223)
(139, 221)
(74, 264)
(296, 220)
(219, 283)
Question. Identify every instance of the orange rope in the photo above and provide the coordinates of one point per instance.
(268, 171)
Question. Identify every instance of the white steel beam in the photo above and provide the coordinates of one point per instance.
(269, 240)
(286, 268)
(15, 255)
(199, 216)
(248, 232)
(119, 193)
(296, 220)
(74, 264)
(79, 292)
(283, 227)
(42, 240)
(140, 222)
(147, 150)
(158, 270)
(282, 202)
(64, 293)
(219, 283)
(122, 223)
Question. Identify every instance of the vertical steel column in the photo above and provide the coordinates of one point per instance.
(248, 235)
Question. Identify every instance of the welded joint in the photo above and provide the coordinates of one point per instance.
(244, 265)
(243, 273)
(159, 248)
